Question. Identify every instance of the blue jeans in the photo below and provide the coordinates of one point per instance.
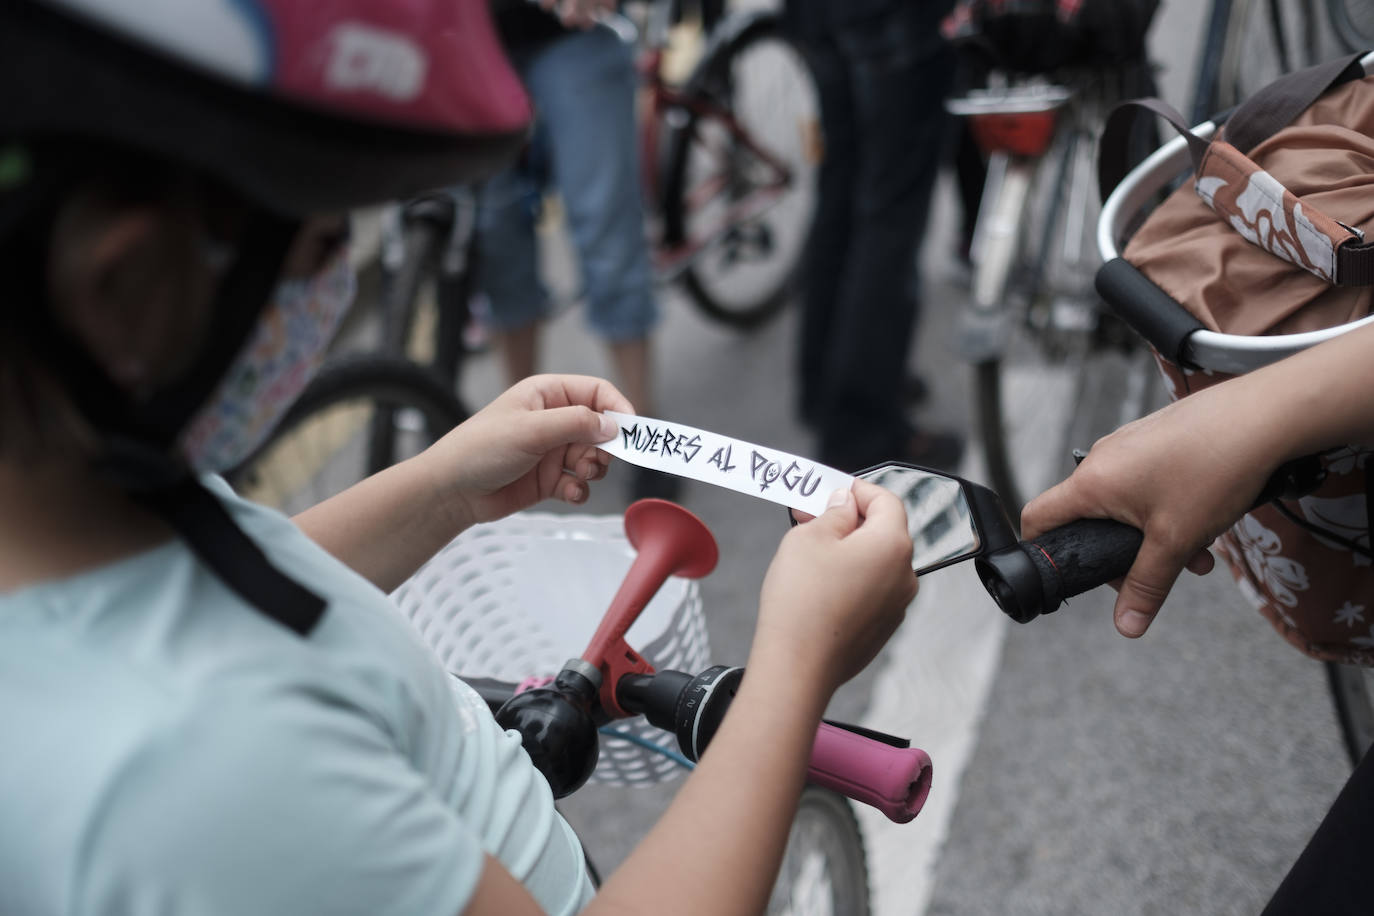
(583, 87)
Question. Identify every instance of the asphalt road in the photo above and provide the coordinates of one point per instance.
(1080, 772)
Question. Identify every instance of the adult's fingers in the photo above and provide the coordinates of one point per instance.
(1145, 587)
(1059, 505)
(1201, 563)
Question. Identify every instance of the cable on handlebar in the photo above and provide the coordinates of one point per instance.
(648, 746)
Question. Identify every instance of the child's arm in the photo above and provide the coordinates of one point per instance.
(537, 441)
(837, 589)
(1186, 473)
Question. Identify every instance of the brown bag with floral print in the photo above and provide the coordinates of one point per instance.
(1267, 241)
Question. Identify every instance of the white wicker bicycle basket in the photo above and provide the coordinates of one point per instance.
(519, 597)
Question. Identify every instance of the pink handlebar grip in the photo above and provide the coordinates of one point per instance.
(894, 780)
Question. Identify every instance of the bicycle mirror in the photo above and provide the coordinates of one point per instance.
(950, 519)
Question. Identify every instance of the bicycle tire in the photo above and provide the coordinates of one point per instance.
(722, 279)
(1067, 372)
(825, 867)
(1352, 694)
(1003, 416)
(1205, 92)
(1263, 41)
(400, 299)
(1352, 21)
(324, 444)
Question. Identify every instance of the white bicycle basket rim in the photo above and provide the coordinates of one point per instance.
(1121, 212)
(519, 597)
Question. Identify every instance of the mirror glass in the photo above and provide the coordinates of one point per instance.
(937, 515)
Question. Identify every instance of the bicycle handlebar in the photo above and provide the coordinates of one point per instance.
(882, 772)
(895, 780)
(1037, 576)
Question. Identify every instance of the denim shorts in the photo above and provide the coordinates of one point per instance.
(584, 146)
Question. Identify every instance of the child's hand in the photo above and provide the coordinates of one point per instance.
(536, 441)
(838, 587)
(1182, 475)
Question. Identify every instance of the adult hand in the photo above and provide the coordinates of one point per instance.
(1182, 475)
(536, 441)
(838, 586)
(578, 14)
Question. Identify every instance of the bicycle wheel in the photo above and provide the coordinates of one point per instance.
(326, 442)
(401, 291)
(1044, 301)
(1064, 372)
(1264, 40)
(1352, 691)
(824, 869)
(1353, 23)
(739, 191)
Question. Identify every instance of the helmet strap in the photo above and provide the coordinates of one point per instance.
(137, 439)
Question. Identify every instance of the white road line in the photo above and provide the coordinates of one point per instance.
(937, 673)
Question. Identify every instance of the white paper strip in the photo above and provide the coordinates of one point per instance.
(789, 480)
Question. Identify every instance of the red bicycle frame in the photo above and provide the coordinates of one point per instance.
(757, 197)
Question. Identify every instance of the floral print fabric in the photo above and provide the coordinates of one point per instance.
(280, 358)
(1315, 591)
(1267, 214)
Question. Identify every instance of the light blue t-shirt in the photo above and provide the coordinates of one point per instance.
(169, 750)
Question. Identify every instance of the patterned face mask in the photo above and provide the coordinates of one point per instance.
(280, 358)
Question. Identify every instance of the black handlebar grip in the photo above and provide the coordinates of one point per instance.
(1081, 556)
(1035, 577)
(1149, 310)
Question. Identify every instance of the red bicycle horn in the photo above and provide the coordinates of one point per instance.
(670, 542)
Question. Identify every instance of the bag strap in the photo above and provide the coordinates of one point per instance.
(1276, 105)
(1113, 150)
(1286, 226)
(1257, 119)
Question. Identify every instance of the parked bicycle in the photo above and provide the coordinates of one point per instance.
(1034, 331)
(729, 157)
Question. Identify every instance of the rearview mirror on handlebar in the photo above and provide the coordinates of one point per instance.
(950, 519)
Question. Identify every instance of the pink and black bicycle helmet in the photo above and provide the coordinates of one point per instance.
(301, 105)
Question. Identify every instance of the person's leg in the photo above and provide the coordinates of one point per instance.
(508, 270)
(900, 73)
(632, 360)
(1331, 876)
(584, 86)
(519, 348)
(828, 244)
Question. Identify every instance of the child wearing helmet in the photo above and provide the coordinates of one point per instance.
(212, 708)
